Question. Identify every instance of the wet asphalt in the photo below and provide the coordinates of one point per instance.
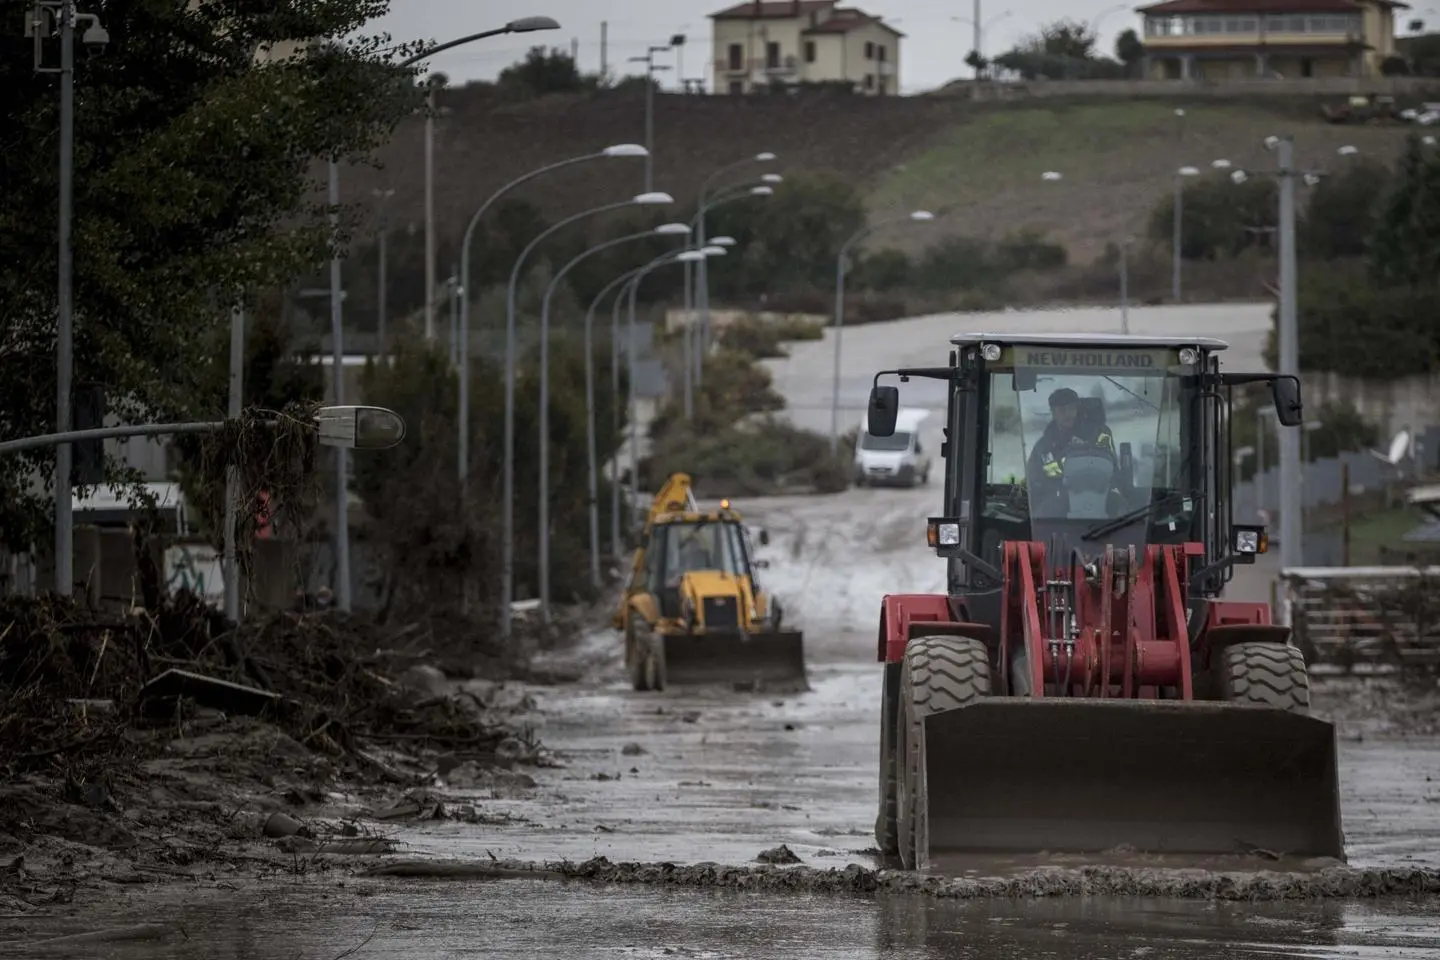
(690, 777)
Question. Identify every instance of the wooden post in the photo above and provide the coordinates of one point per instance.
(1344, 514)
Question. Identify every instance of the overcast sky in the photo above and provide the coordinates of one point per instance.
(932, 52)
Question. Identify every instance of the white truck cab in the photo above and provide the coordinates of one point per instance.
(902, 459)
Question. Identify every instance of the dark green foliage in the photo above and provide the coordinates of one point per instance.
(1343, 211)
(1220, 218)
(189, 158)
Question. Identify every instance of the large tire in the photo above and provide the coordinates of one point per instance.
(939, 674)
(1267, 674)
(886, 831)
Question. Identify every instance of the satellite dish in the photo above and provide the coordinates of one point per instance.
(1402, 446)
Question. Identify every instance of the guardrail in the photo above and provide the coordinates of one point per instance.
(1366, 620)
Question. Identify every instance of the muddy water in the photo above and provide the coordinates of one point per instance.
(531, 919)
(724, 776)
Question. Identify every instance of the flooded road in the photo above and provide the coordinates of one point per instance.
(719, 777)
(321, 920)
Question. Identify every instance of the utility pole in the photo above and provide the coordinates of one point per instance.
(650, 67)
(1291, 486)
(46, 19)
(1125, 285)
(429, 212)
(382, 300)
(337, 352)
(232, 472)
(975, 45)
(604, 49)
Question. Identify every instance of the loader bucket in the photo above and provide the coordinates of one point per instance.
(760, 661)
(1087, 775)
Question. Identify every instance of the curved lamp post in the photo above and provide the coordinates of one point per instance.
(915, 216)
(683, 256)
(594, 467)
(663, 230)
(341, 569)
(522, 25)
(463, 460)
(702, 254)
(507, 544)
(697, 224)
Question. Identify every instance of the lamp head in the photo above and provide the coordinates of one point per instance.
(625, 150)
(921, 216)
(712, 251)
(689, 256)
(761, 191)
(672, 230)
(765, 157)
(772, 178)
(1188, 172)
(531, 24)
(722, 241)
(652, 199)
(1051, 175)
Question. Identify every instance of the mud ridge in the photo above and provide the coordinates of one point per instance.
(1187, 884)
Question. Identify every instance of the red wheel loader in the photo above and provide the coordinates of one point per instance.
(1082, 687)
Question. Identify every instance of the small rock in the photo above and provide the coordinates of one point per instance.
(282, 825)
(691, 716)
(779, 855)
(633, 750)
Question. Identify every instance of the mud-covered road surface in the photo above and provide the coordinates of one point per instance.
(720, 778)
(537, 920)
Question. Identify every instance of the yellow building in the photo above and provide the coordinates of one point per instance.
(759, 43)
(1289, 39)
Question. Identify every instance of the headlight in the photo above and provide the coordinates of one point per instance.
(1189, 356)
(943, 532)
(990, 351)
(1251, 540)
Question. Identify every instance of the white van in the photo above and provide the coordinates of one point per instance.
(901, 459)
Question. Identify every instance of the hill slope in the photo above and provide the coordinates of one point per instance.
(981, 160)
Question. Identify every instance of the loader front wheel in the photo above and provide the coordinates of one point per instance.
(939, 674)
(1267, 674)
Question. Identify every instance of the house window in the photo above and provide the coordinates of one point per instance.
(772, 56)
(809, 51)
(737, 87)
(737, 57)
(869, 81)
(869, 50)
(880, 53)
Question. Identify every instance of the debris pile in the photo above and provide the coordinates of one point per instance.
(117, 729)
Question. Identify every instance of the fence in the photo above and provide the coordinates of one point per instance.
(1366, 619)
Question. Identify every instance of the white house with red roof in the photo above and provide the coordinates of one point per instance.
(762, 43)
(1235, 39)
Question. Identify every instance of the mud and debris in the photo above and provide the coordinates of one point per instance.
(1332, 883)
(167, 743)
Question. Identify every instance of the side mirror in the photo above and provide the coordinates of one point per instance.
(1288, 408)
(884, 411)
(764, 538)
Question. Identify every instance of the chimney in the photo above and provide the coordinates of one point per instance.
(759, 5)
(795, 8)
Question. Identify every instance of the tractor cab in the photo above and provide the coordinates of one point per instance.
(1083, 442)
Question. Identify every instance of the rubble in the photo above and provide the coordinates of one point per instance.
(169, 742)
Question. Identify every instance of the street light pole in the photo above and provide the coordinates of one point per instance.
(232, 471)
(463, 460)
(1177, 241)
(64, 328)
(1291, 494)
(702, 291)
(650, 67)
(382, 299)
(507, 536)
(337, 353)
(915, 216)
(522, 25)
(668, 229)
(45, 17)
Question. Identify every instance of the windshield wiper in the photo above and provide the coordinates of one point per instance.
(1125, 519)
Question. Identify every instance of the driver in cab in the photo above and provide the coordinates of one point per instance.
(1046, 467)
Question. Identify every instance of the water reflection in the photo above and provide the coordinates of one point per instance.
(324, 917)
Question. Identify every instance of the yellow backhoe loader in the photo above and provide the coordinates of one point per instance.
(692, 613)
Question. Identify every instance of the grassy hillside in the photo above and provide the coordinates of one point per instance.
(983, 161)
